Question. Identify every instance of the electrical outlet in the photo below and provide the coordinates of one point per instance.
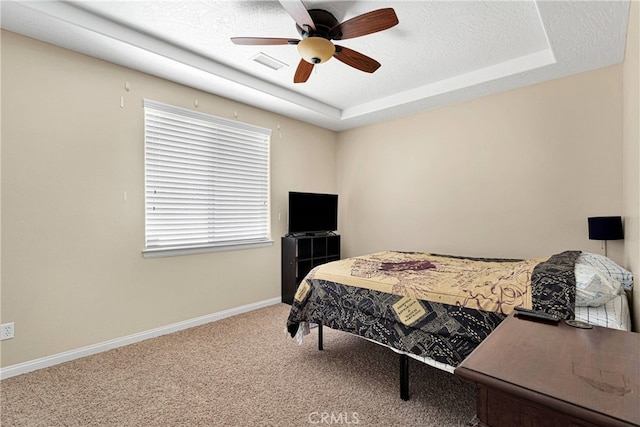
(6, 331)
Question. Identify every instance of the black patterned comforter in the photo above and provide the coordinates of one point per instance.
(447, 333)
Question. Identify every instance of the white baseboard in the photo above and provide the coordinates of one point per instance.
(45, 362)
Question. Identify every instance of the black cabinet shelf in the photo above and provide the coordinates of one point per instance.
(302, 253)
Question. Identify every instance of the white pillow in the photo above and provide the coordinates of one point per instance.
(607, 267)
(593, 287)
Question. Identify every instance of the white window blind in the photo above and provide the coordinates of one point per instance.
(206, 180)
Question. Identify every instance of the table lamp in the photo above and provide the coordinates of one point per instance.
(605, 228)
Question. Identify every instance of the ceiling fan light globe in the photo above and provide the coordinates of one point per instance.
(316, 50)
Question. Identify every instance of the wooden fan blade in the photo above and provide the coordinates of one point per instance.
(303, 72)
(262, 41)
(299, 13)
(356, 59)
(367, 23)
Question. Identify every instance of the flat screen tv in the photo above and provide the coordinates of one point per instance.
(312, 213)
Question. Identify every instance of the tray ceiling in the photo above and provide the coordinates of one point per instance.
(440, 53)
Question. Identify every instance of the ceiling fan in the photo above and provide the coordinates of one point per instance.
(317, 28)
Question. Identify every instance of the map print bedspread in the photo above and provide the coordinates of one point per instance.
(431, 305)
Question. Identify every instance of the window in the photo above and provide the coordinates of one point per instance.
(206, 182)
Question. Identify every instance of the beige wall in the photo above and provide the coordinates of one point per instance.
(510, 175)
(631, 153)
(72, 269)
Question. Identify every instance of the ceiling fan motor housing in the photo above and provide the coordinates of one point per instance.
(324, 22)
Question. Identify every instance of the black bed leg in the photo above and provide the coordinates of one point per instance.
(404, 377)
(320, 336)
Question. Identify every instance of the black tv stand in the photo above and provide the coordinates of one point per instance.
(300, 253)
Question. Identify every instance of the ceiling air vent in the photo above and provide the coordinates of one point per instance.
(268, 61)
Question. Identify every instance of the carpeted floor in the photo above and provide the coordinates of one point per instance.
(240, 371)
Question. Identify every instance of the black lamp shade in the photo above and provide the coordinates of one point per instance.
(605, 228)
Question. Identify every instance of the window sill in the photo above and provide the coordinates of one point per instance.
(194, 250)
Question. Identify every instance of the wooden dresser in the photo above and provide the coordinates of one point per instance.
(546, 375)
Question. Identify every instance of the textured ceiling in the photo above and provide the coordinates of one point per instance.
(441, 52)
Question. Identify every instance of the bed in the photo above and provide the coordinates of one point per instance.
(438, 308)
